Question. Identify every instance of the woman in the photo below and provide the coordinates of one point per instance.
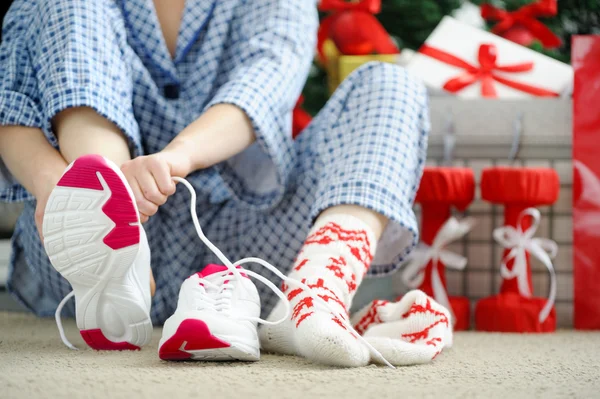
(203, 90)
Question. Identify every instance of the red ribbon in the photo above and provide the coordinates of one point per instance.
(526, 17)
(370, 6)
(484, 72)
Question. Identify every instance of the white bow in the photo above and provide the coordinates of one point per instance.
(520, 242)
(414, 272)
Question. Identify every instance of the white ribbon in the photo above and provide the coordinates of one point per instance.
(414, 272)
(520, 243)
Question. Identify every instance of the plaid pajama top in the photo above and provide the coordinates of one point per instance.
(366, 147)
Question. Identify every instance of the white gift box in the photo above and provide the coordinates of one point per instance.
(453, 46)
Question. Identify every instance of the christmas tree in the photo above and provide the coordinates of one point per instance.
(574, 17)
(410, 22)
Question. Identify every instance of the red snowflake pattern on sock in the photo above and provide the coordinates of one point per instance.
(424, 333)
(434, 341)
(352, 284)
(306, 302)
(294, 293)
(339, 322)
(299, 266)
(357, 241)
(336, 265)
(372, 316)
(303, 317)
(319, 285)
(333, 298)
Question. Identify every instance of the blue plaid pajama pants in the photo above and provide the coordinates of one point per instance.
(366, 147)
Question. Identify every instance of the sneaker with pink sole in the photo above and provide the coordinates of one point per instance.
(216, 319)
(94, 239)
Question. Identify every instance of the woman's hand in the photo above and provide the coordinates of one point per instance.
(150, 178)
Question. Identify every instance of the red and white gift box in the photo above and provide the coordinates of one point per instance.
(473, 63)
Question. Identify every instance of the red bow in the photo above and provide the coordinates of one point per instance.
(526, 17)
(484, 72)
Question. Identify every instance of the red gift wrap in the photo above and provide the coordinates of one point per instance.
(516, 189)
(441, 189)
(586, 190)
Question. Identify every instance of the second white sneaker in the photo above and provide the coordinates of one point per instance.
(216, 318)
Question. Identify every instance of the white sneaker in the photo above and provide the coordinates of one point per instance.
(215, 319)
(93, 236)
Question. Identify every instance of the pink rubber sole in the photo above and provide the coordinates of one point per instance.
(96, 340)
(119, 208)
(191, 335)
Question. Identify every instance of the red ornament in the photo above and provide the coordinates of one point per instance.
(521, 26)
(520, 35)
(354, 29)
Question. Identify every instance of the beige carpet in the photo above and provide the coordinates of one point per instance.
(35, 364)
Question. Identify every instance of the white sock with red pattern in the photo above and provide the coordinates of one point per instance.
(412, 331)
(335, 257)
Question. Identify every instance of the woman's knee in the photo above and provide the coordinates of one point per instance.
(389, 80)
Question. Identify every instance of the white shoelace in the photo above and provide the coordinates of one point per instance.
(219, 298)
(237, 275)
(61, 330)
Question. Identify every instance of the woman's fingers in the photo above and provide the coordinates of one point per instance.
(151, 183)
(162, 176)
(145, 207)
(149, 188)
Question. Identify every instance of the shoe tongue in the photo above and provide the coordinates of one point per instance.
(213, 270)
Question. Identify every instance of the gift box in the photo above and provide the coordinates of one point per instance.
(472, 63)
(340, 66)
(586, 185)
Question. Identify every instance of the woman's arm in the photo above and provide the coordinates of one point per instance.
(223, 131)
(30, 158)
